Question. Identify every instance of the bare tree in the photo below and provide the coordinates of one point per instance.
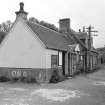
(6, 26)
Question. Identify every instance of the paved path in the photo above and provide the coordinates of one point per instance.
(80, 90)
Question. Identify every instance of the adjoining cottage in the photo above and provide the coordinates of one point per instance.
(101, 57)
(33, 51)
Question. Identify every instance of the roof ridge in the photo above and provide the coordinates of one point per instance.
(78, 32)
(78, 40)
(47, 28)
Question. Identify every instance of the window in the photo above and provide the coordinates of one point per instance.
(54, 61)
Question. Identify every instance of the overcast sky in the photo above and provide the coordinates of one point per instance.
(81, 13)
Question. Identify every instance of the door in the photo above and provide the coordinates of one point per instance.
(63, 63)
(68, 63)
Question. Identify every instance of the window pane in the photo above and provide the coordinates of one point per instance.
(54, 61)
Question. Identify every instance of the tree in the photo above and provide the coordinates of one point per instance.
(48, 25)
(43, 23)
(6, 26)
(32, 19)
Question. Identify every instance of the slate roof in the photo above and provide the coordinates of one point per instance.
(75, 37)
(94, 50)
(101, 50)
(52, 39)
(80, 35)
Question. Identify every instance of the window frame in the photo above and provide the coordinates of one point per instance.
(54, 65)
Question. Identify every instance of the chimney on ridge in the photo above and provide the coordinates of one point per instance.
(64, 25)
(21, 13)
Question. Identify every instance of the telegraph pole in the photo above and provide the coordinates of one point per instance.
(89, 30)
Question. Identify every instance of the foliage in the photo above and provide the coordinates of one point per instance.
(28, 80)
(55, 77)
(43, 23)
(4, 79)
(5, 26)
(15, 79)
(32, 19)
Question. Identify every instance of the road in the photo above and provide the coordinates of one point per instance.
(80, 90)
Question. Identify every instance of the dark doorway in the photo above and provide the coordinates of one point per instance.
(101, 60)
(69, 63)
(63, 63)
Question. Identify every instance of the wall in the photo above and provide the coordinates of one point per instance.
(22, 54)
(22, 49)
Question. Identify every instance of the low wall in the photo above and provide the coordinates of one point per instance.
(40, 75)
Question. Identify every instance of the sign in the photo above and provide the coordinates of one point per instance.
(18, 73)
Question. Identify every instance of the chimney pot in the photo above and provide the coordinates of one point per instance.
(21, 6)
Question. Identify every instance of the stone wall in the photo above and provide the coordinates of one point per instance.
(40, 75)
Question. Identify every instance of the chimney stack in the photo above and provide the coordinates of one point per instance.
(21, 13)
(64, 25)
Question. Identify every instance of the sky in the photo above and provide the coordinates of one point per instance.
(81, 13)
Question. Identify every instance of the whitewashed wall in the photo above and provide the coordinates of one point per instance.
(21, 48)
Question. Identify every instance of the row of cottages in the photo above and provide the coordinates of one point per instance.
(101, 57)
(87, 59)
(90, 56)
(31, 50)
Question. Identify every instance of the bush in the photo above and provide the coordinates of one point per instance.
(33, 80)
(4, 79)
(15, 79)
(55, 77)
(28, 80)
(23, 79)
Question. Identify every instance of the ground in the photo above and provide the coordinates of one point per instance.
(80, 90)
